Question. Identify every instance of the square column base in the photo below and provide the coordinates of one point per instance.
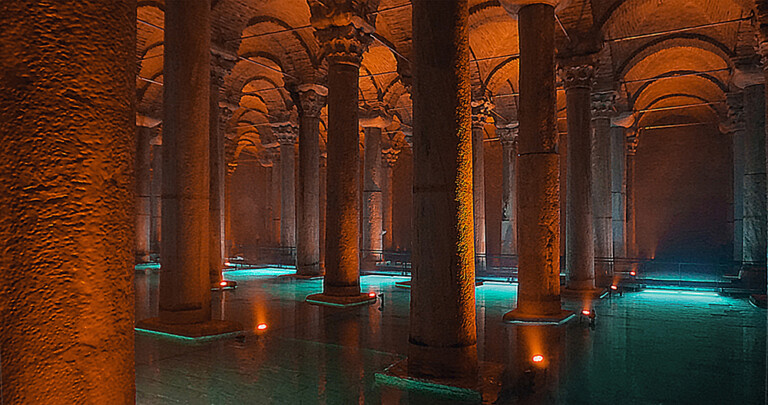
(595, 294)
(516, 317)
(340, 302)
(485, 389)
(195, 332)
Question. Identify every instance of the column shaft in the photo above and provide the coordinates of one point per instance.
(579, 232)
(342, 243)
(538, 168)
(216, 189)
(143, 193)
(754, 177)
(509, 198)
(601, 196)
(185, 282)
(308, 215)
(372, 194)
(67, 202)
(618, 190)
(478, 181)
(275, 198)
(156, 203)
(288, 195)
(631, 185)
(386, 209)
(442, 339)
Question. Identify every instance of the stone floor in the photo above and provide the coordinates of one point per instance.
(650, 347)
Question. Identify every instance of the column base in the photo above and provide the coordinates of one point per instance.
(196, 332)
(516, 316)
(340, 301)
(485, 388)
(591, 294)
(302, 276)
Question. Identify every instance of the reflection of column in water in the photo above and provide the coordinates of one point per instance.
(342, 360)
(535, 367)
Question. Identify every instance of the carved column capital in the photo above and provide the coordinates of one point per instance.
(285, 132)
(343, 28)
(230, 148)
(390, 156)
(508, 134)
(735, 102)
(632, 141)
(604, 104)
(311, 99)
(481, 111)
(577, 76)
(375, 115)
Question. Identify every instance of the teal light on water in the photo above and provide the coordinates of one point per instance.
(260, 272)
(187, 339)
(147, 266)
(680, 292)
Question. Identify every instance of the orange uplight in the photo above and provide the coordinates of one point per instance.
(261, 326)
(538, 358)
(372, 294)
(585, 312)
(223, 283)
(614, 287)
(632, 273)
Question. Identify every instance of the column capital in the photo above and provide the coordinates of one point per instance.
(481, 111)
(375, 115)
(230, 148)
(604, 104)
(343, 28)
(577, 75)
(222, 64)
(508, 134)
(632, 141)
(735, 102)
(390, 156)
(745, 76)
(310, 99)
(285, 132)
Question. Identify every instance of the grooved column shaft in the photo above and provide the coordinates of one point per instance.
(308, 218)
(288, 195)
(372, 192)
(601, 193)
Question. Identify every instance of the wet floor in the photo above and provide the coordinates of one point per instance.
(649, 347)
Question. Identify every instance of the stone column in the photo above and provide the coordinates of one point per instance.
(156, 202)
(579, 232)
(538, 167)
(735, 127)
(480, 112)
(373, 204)
(755, 218)
(143, 193)
(310, 100)
(67, 202)
(602, 110)
(618, 190)
(285, 134)
(632, 140)
(185, 293)
(442, 338)
(323, 204)
(389, 158)
(219, 116)
(341, 31)
(508, 136)
(274, 193)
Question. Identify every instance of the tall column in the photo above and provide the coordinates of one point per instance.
(508, 136)
(389, 158)
(538, 168)
(143, 193)
(480, 112)
(632, 140)
(285, 134)
(323, 204)
(156, 198)
(373, 203)
(735, 127)
(185, 294)
(442, 338)
(67, 202)
(618, 190)
(219, 116)
(341, 31)
(311, 99)
(274, 193)
(602, 110)
(579, 232)
(755, 181)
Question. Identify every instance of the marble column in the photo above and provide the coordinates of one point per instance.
(442, 333)
(755, 217)
(480, 112)
(285, 134)
(185, 293)
(538, 168)
(579, 232)
(274, 193)
(735, 128)
(143, 193)
(508, 136)
(631, 215)
(342, 34)
(618, 190)
(389, 159)
(602, 110)
(372, 193)
(323, 204)
(156, 198)
(311, 99)
(67, 202)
